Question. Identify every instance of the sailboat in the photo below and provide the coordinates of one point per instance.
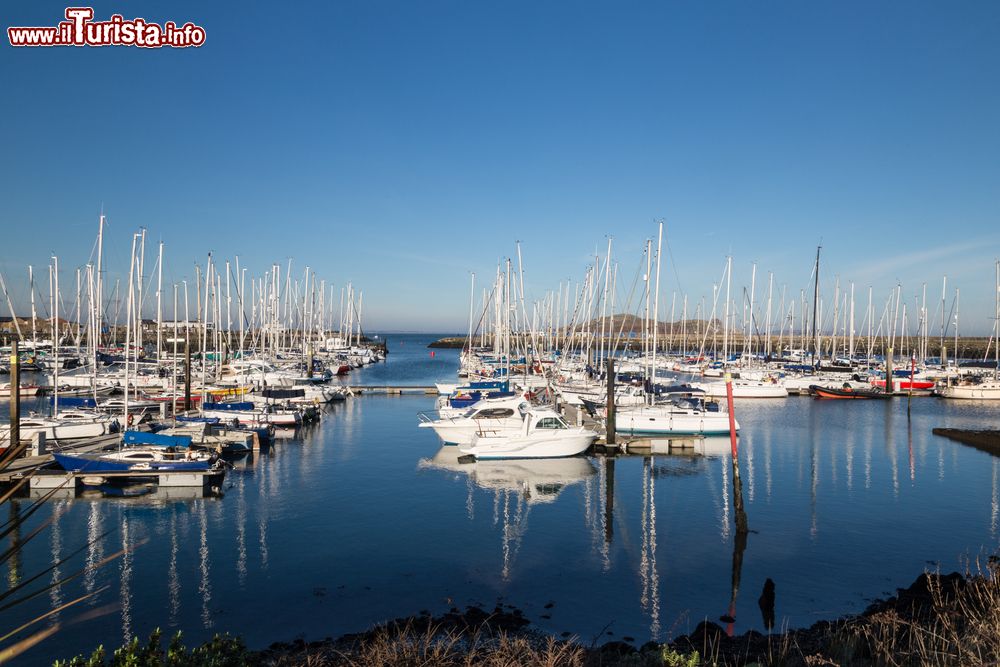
(978, 388)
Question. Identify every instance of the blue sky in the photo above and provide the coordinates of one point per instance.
(401, 145)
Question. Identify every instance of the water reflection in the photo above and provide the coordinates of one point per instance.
(516, 485)
(204, 567)
(649, 597)
(538, 481)
(14, 562)
(55, 546)
(125, 571)
(173, 579)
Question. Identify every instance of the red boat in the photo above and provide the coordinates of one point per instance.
(846, 392)
(904, 384)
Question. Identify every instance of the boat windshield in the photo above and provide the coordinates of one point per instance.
(550, 422)
(494, 413)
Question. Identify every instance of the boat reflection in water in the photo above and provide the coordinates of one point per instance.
(517, 485)
(537, 480)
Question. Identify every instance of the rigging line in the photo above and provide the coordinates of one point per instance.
(673, 265)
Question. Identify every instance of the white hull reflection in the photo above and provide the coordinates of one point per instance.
(705, 446)
(538, 480)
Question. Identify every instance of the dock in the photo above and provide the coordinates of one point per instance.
(208, 481)
(394, 390)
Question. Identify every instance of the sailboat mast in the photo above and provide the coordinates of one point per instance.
(55, 337)
(159, 305)
(99, 299)
(78, 313)
(850, 343)
(816, 353)
(770, 293)
(128, 315)
(34, 333)
(656, 299)
(725, 328)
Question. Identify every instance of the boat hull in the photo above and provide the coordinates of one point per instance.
(557, 445)
(651, 421)
(98, 464)
(848, 394)
(989, 392)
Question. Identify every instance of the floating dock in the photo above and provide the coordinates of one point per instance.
(207, 481)
(393, 389)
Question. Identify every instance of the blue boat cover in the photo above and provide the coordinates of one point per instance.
(235, 407)
(74, 402)
(200, 420)
(144, 438)
(489, 384)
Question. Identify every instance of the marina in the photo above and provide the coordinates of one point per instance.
(438, 334)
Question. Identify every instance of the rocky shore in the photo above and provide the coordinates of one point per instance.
(939, 619)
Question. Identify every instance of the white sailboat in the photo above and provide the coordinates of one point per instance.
(684, 416)
(976, 388)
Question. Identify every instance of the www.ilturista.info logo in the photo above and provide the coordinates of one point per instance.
(79, 29)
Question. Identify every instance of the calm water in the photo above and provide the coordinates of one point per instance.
(365, 518)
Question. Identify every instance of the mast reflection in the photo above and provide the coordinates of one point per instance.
(125, 591)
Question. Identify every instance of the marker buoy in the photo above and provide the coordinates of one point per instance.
(432, 353)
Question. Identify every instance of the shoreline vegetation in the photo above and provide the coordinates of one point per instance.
(951, 619)
(969, 347)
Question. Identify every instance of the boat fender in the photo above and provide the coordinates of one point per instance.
(856, 377)
(130, 420)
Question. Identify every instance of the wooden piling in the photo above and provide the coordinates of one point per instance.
(609, 437)
(741, 516)
(909, 394)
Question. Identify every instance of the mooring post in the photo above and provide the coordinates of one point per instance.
(609, 437)
(187, 376)
(741, 517)
(909, 394)
(15, 397)
(888, 372)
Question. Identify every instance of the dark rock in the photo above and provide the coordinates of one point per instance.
(617, 648)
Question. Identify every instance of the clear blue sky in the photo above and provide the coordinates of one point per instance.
(402, 145)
